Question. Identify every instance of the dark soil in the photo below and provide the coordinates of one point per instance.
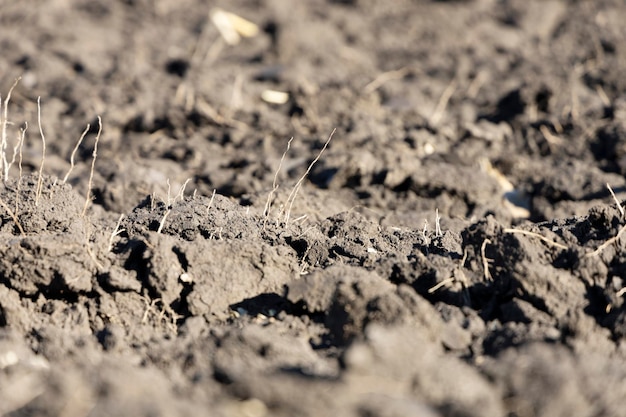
(455, 251)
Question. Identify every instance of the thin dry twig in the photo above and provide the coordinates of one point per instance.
(20, 160)
(93, 164)
(211, 201)
(438, 231)
(384, 77)
(3, 142)
(115, 232)
(441, 284)
(181, 192)
(537, 235)
(17, 149)
(303, 217)
(457, 276)
(303, 263)
(19, 164)
(268, 203)
(89, 249)
(606, 101)
(607, 243)
(43, 153)
(162, 223)
(162, 313)
(170, 201)
(149, 306)
(169, 192)
(219, 234)
(296, 188)
(82, 136)
(443, 102)
(551, 139)
(476, 84)
(619, 205)
(13, 216)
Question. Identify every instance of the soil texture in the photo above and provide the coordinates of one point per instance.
(331, 207)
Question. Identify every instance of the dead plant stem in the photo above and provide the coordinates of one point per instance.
(537, 235)
(607, 243)
(43, 153)
(3, 142)
(211, 201)
(268, 203)
(115, 232)
(386, 76)
(93, 164)
(162, 223)
(296, 188)
(443, 103)
(80, 140)
(19, 164)
(13, 216)
(619, 205)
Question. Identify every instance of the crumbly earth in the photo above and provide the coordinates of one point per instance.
(454, 251)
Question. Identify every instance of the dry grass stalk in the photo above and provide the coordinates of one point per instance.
(162, 313)
(211, 201)
(619, 205)
(162, 222)
(476, 84)
(607, 243)
(168, 206)
(606, 101)
(443, 103)
(149, 306)
(13, 216)
(537, 235)
(80, 140)
(384, 77)
(181, 192)
(170, 201)
(115, 232)
(219, 231)
(550, 138)
(93, 164)
(296, 188)
(43, 153)
(268, 203)
(457, 276)
(88, 246)
(441, 284)
(19, 164)
(3, 136)
(169, 193)
(17, 149)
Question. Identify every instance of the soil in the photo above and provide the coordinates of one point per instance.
(454, 250)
